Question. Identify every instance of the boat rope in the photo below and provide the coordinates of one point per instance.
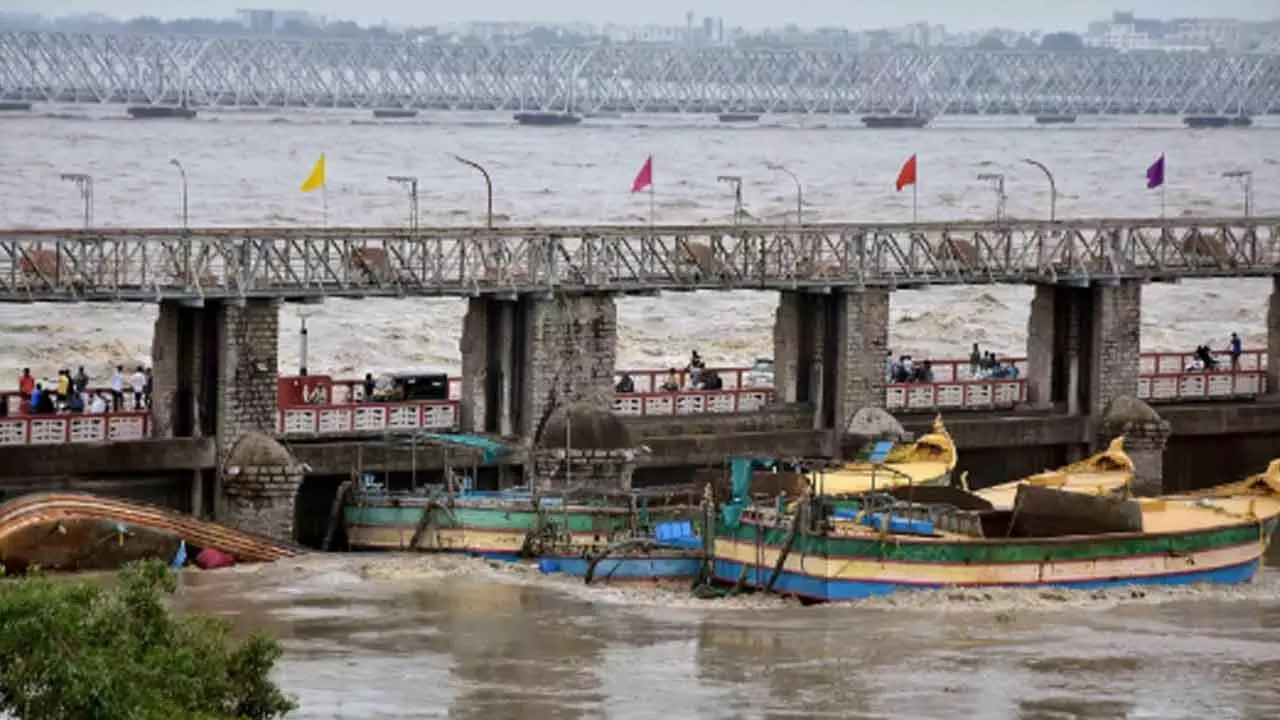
(426, 521)
(786, 546)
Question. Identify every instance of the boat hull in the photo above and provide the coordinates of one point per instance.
(505, 531)
(828, 568)
(656, 568)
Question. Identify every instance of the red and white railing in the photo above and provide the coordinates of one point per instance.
(60, 429)
(368, 417)
(1163, 379)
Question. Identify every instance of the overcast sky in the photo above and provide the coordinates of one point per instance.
(959, 14)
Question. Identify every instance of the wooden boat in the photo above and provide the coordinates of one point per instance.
(929, 460)
(592, 532)
(821, 551)
(78, 531)
(1108, 472)
(673, 554)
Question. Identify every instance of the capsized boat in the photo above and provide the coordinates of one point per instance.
(824, 550)
(927, 461)
(674, 553)
(79, 531)
(1108, 472)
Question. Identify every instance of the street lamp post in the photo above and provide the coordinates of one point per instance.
(1053, 187)
(85, 184)
(735, 182)
(488, 186)
(1246, 181)
(997, 181)
(183, 172)
(412, 183)
(799, 190)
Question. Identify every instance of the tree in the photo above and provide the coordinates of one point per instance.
(1061, 42)
(80, 650)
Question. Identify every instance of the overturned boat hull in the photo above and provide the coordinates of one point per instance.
(657, 567)
(76, 531)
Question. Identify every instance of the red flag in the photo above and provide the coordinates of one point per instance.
(907, 175)
(644, 178)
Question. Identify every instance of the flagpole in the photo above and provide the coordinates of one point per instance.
(652, 206)
(915, 194)
(1164, 195)
(324, 205)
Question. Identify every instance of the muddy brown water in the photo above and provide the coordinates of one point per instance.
(404, 636)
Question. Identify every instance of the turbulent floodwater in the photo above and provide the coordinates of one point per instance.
(245, 169)
(418, 637)
(394, 636)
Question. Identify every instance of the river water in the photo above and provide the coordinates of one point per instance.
(419, 637)
(245, 169)
(402, 636)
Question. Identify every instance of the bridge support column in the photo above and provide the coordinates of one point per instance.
(1273, 339)
(1116, 342)
(178, 358)
(246, 372)
(798, 335)
(857, 332)
(523, 357)
(1084, 345)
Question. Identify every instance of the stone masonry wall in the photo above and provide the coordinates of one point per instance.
(864, 339)
(475, 364)
(571, 349)
(1117, 343)
(603, 469)
(1041, 341)
(1145, 444)
(262, 499)
(1273, 338)
(247, 375)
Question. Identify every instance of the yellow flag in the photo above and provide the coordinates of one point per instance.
(315, 180)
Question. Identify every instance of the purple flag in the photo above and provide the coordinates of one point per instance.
(1155, 173)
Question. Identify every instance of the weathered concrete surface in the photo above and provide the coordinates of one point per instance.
(1041, 344)
(1223, 419)
(1146, 434)
(139, 456)
(260, 483)
(1273, 339)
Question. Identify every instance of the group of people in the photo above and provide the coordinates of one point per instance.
(70, 393)
(984, 365)
(906, 370)
(1202, 360)
(698, 377)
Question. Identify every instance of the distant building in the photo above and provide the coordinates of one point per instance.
(268, 21)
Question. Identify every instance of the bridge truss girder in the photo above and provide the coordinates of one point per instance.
(147, 265)
(267, 72)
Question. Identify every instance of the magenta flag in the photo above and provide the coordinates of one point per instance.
(1155, 173)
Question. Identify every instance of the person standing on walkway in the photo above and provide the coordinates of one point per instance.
(117, 389)
(26, 386)
(138, 383)
(1235, 348)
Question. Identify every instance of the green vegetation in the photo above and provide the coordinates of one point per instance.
(74, 649)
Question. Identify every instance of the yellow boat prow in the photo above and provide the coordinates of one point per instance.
(928, 460)
(1107, 472)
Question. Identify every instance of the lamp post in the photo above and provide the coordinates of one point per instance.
(488, 186)
(85, 184)
(799, 190)
(735, 182)
(1246, 180)
(412, 183)
(1053, 187)
(997, 181)
(183, 172)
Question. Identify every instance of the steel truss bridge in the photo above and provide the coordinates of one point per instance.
(271, 73)
(300, 263)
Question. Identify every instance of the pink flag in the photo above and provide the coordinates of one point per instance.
(644, 178)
